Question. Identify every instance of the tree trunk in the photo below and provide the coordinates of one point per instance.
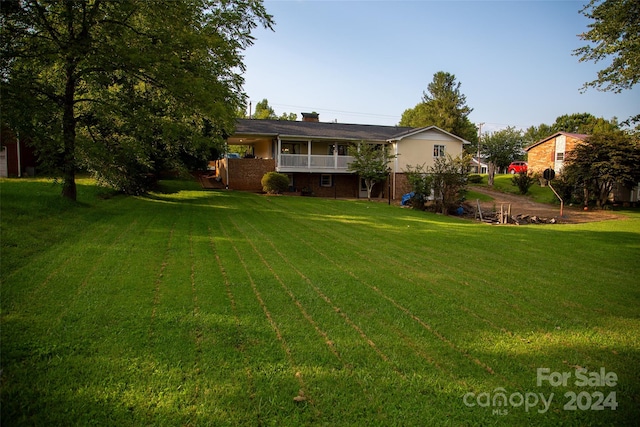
(492, 171)
(369, 183)
(69, 190)
(586, 196)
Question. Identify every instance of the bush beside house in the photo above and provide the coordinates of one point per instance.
(275, 183)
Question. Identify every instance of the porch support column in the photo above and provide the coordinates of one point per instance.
(395, 167)
(309, 154)
(335, 155)
(279, 151)
(226, 164)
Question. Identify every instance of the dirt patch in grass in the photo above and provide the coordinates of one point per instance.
(524, 205)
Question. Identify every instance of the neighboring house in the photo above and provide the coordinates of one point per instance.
(482, 168)
(17, 157)
(315, 156)
(551, 151)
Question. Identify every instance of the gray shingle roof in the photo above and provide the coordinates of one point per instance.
(323, 130)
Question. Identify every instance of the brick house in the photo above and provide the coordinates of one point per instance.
(315, 156)
(551, 151)
(17, 156)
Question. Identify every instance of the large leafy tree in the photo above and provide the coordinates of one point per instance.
(123, 88)
(501, 148)
(605, 160)
(443, 105)
(613, 35)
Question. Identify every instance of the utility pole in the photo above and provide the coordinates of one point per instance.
(479, 136)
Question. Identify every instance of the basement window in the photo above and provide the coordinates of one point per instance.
(325, 180)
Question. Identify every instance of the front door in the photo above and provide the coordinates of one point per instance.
(363, 189)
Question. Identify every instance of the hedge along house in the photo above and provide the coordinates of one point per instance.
(315, 156)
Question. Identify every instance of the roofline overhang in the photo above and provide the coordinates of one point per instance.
(542, 141)
(426, 128)
(307, 137)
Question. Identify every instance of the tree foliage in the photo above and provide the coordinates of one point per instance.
(371, 163)
(124, 88)
(444, 106)
(444, 180)
(583, 123)
(614, 34)
(501, 148)
(604, 160)
(265, 112)
(420, 181)
(449, 179)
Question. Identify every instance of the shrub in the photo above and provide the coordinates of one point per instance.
(523, 181)
(475, 178)
(420, 181)
(275, 183)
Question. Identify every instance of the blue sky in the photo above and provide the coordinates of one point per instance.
(368, 61)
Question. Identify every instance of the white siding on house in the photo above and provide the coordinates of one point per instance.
(561, 143)
(419, 149)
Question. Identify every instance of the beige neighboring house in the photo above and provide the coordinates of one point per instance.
(551, 151)
(315, 156)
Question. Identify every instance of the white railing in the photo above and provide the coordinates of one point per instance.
(314, 162)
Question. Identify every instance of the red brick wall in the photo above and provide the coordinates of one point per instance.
(343, 185)
(542, 156)
(402, 185)
(246, 174)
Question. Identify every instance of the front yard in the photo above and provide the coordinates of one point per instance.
(194, 307)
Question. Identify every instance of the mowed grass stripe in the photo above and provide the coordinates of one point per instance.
(360, 283)
(360, 389)
(399, 357)
(468, 284)
(328, 254)
(365, 377)
(525, 346)
(270, 371)
(364, 254)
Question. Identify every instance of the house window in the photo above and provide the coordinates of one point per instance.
(559, 156)
(438, 151)
(325, 180)
(342, 149)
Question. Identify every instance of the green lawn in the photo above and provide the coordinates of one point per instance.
(191, 307)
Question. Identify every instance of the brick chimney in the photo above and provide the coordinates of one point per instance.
(310, 117)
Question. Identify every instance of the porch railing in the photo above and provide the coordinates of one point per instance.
(314, 162)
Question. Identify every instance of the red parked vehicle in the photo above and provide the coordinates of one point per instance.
(517, 167)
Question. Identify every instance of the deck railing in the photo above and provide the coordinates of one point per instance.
(314, 162)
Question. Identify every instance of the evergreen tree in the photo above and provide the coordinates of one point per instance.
(444, 106)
